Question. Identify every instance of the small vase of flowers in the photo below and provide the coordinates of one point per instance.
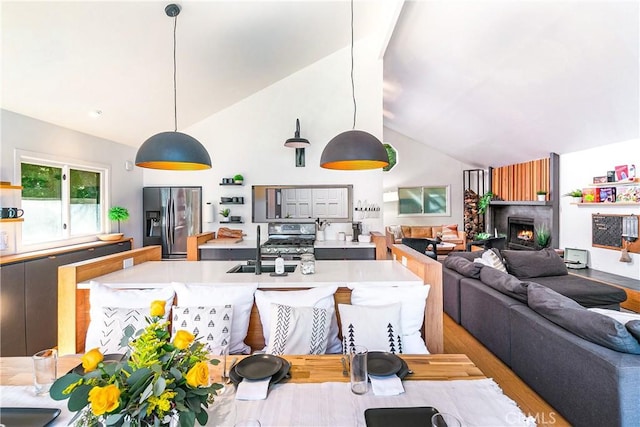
(160, 382)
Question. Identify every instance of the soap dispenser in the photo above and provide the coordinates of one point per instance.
(279, 265)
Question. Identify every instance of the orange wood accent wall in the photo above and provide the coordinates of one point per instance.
(522, 180)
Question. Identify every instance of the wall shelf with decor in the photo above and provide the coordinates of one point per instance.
(609, 205)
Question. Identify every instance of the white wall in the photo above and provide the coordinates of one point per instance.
(577, 170)
(248, 137)
(25, 133)
(419, 165)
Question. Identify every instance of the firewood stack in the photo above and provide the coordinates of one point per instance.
(473, 221)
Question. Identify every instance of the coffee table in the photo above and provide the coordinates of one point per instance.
(445, 248)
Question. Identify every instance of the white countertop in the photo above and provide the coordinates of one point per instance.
(251, 244)
(342, 273)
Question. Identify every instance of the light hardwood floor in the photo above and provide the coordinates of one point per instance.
(458, 340)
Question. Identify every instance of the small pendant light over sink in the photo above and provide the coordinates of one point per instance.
(173, 150)
(354, 149)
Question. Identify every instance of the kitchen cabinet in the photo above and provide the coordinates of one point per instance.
(228, 254)
(345, 253)
(30, 298)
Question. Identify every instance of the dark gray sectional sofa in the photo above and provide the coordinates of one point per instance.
(588, 383)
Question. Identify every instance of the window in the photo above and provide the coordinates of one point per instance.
(433, 201)
(63, 202)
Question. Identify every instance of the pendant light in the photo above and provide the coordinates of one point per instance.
(173, 150)
(354, 149)
(299, 144)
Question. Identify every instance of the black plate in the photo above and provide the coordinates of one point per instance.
(399, 417)
(277, 377)
(382, 363)
(404, 371)
(113, 357)
(258, 366)
(28, 417)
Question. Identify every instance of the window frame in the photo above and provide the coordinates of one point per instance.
(423, 189)
(66, 164)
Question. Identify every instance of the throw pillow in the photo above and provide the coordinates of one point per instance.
(450, 232)
(320, 297)
(580, 321)
(396, 230)
(630, 320)
(412, 299)
(490, 259)
(463, 266)
(406, 230)
(525, 264)
(240, 297)
(421, 232)
(504, 283)
(115, 321)
(101, 296)
(378, 328)
(298, 330)
(213, 324)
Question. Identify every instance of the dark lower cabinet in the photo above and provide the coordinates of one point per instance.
(345, 253)
(225, 254)
(30, 289)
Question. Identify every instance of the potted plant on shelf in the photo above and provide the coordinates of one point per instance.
(238, 179)
(116, 213)
(543, 236)
(483, 202)
(576, 195)
(542, 195)
(225, 213)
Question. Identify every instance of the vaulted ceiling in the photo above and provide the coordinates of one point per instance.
(487, 82)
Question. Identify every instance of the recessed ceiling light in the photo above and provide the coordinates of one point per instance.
(95, 113)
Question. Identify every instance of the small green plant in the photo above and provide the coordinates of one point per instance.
(118, 213)
(541, 193)
(238, 178)
(574, 193)
(542, 236)
(225, 212)
(483, 236)
(483, 202)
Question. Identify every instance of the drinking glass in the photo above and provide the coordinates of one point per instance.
(442, 419)
(45, 370)
(359, 379)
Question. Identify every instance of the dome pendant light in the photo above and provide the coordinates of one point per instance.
(173, 150)
(354, 149)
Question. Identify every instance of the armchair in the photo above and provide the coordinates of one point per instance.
(422, 245)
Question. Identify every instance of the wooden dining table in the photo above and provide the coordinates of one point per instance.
(304, 368)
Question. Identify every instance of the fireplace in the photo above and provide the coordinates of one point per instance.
(521, 233)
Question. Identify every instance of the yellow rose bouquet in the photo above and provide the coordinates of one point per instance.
(158, 382)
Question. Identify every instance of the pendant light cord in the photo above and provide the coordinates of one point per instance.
(353, 87)
(175, 92)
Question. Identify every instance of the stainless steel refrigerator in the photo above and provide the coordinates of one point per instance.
(171, 214)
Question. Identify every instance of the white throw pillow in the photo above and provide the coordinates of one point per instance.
(320, 297)
(413, 300)
(239, 296)
(298, 330)
(101, 296)
(212, 324)
(378, 328)
(491, 259)
(114, 322)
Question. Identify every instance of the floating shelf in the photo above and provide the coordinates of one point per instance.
(231, 222)
(11, 219)
(617, 184)
(232, 183)
(232, 203)
(595, 204)
(520, 203)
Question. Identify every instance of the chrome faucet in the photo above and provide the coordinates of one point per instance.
(258, 253)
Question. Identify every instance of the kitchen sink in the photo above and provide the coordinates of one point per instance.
(270, 268)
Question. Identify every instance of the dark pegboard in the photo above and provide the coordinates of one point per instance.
(606, 231)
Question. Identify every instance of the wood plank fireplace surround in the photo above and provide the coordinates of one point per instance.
(517, 214)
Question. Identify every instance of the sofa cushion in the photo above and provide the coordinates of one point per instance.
(450, 232)
(586, 324)
(491, 259)
(463, 266)
(526, 264)
(504, 283)
(634, 328)
(585, 292)
(421, 231)
(466, 255)
(630, 320)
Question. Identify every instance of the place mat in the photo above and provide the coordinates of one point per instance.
(399, 417)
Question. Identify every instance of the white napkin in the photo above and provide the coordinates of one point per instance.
(253, 389)
(388, 385)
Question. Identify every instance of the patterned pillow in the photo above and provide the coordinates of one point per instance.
(378, 328)
(114, 322)
(450, 232)
(396, 230)
(491, 259)
(212, 324)
(298, 330)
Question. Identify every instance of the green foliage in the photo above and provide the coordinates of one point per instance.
(393, 158)
(574, 193)
(225, 212)
(541, 193)
(41, 182)
(543, 236)
(483, 236)
(238, 177)
(118, 213)
(484, 201)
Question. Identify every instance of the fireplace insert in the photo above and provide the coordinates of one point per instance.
(521, 233)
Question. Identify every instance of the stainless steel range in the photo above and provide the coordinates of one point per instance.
(289, 240)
